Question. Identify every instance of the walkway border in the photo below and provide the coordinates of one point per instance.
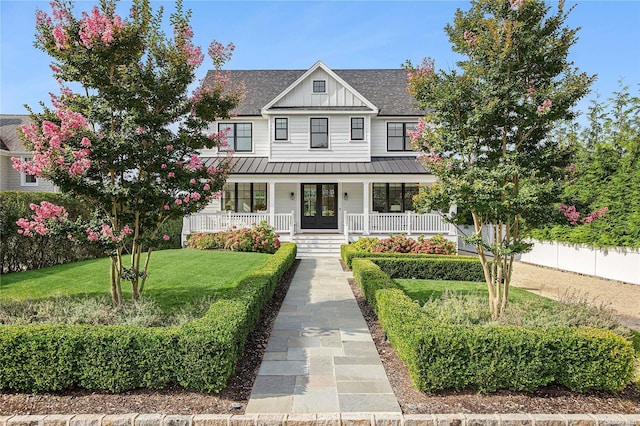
(343, 419)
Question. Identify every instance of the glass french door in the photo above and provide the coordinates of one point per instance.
(319, 206)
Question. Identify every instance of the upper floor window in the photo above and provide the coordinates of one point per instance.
(239, 136)
(245, 197)
(319, 86)
(357, 128)
(282, 129)
(397, 136)
(26, 179)
(393, 197)
(319, 133)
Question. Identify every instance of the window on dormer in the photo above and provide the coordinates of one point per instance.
(282, 129)
(319, 86)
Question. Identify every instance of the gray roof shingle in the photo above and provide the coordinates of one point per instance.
(9, 140)
(377, 165)
(385, 88)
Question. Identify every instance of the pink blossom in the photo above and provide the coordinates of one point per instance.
(593, 216)
(187, 199)
(545, 107)
(163, 166)
(470, 37)
(106, 230)
(55, 68)
(127, 230)
(206, 187)
(166, 207)
(171, 174)
(92, 235)
(195, 196)
(192, 181)
(165, 237)
(139, 130)
(195, 163)
(178, 201)
(219, 53)
(85, 142)
(515, 4)
(570, 213)
(97, 26)
(169, 147)
(60, 37)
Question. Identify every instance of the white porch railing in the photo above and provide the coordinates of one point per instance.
(396, 223)
(214, 222)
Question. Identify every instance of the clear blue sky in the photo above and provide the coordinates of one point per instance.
(343, 34)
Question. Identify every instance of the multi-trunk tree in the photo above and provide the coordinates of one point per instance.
(486, 133)
(124, 134)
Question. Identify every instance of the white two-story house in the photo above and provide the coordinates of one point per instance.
(321, 152)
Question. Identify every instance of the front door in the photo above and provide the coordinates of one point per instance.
(319, 206)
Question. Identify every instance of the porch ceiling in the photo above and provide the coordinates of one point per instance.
(377, 165)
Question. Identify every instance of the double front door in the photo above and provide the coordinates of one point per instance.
(319, 206)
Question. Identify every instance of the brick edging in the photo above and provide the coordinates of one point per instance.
(335, 419)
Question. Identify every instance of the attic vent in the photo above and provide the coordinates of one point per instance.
(319, 86)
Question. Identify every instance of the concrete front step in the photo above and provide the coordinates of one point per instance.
(318, 245)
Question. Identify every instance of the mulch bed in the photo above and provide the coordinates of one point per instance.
(233, 399)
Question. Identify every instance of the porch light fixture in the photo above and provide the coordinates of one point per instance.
(292, 196)
(346, 196)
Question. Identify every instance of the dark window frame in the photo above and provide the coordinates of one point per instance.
(405, 136)
(387, 199)
(317, 84)
(353, 138)
(252, 192)
(276, 128)
(311, 132)
(233, 144)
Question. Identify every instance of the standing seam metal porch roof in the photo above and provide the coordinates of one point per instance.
(377, 165)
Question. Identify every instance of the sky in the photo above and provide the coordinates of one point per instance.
(343, 34)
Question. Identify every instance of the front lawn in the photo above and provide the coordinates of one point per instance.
(177, 278)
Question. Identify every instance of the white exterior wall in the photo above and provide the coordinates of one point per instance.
(379, 136)
(336, 94)
(355, 202)
(341, 148)
(614, 263)
(11, 179)
(260, 137)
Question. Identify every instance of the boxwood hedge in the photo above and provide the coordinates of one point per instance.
(200, 355)
(488, 358)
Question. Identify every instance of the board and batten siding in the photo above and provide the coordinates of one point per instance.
(336, 95)
(379, 136)
(259, 135)
(341, 147)
(11, 179)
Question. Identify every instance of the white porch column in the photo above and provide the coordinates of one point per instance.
(365, 208)
(272, 203)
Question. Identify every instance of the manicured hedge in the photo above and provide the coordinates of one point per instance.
(200, 355)
(488, 358)
(455, 268)
(348, 252)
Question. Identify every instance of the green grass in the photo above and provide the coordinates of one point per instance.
(425, 290)
(176, 278)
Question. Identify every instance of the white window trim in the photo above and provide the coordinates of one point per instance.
(328, 148)
(319, 93)
(23, 176)
(288, 139)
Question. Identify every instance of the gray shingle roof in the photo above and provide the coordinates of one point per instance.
(378, 165)
(385, 88)
(9, 140)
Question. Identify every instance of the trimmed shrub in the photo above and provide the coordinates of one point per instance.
(488, 358)
(18, 253)
(260, 238)
(350, 251)
(452, 268)
(200, 355)
(403, 244)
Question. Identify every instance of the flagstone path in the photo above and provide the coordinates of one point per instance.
(320, 357)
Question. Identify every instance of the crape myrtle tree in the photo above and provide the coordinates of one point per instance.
(485, 135)
(126, 141)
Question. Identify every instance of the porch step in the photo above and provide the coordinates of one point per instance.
(318, 245)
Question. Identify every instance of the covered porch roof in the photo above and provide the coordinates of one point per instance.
(377, 165)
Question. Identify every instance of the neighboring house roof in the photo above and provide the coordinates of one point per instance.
(9, 140)
(378, 165)
(385, 88)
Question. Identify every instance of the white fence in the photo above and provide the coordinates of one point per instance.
(614, 263)
(214, 222)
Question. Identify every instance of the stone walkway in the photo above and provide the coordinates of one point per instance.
(320, 357)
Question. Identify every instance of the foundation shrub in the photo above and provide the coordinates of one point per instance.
(453, 268)
(199, 355)
(259, 238)
(488, 358)
(349, 252)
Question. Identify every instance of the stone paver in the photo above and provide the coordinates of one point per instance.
(320, 357)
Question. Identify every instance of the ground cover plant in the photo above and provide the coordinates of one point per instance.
(200, 355)
(180, 278)
(442, 355)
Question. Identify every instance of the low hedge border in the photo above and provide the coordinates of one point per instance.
(348, 253)
(488, 358)
(200, 355)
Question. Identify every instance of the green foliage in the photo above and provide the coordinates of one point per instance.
(200, 355)
(348, 252)
(18, 253)
(488, 358)
(259, 238)
(173, 229)
(606, 173)
(450, 268)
